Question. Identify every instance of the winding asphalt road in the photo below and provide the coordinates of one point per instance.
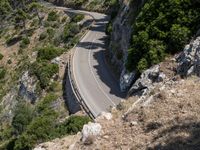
(94, 80)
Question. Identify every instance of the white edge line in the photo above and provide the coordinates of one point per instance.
(90, 66)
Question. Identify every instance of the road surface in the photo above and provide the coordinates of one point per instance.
(93, 78)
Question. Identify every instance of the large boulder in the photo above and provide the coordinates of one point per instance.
(91, 130)
(147, 81)
(189, 59)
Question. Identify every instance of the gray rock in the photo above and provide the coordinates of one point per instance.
(147, 80)
(27, 88)
(91, 130)
(126, 80)
(56, 60)
(8, 105)
(189, 59)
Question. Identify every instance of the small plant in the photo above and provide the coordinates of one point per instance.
(25, 42)
(49, 52)
(9, 61)
(64, 19)
(78, 18)
(50, 32)
(1, 56)
(43, 36)
(2, 72)
(53, 16)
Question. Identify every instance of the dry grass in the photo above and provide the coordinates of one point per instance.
(171, 122)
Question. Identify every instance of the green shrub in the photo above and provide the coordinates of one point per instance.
(52, 16)
(44, 106)
(9, 61)
(109, 28)
(24, 142)
(49, 52)
(70, 30)
(64, 19)
(2, 73)
(179, 36)
(46, 24)
(22, 117)
(142, 65)
(43, 36)
(73, 125)
(25, 42)
(78, 18)
(161, 27)
(50, 32)
(1, 56)
(44, 71)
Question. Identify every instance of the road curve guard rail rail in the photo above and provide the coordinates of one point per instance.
(74, 87)
(76, 91)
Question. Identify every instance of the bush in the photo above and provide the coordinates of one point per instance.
(64, 19)
(44, 106)
(9, 61)
(179, 36)
(50, 32)
(22, 117)
(44, 71)
(109, 28)
(70, 31)
(2, 73)
(25, 42)
(52, 16)
(1, 56)
(43, 36)
(73, 125)
(77, 18)
(142, 65)
(161, 27)
(49, 52)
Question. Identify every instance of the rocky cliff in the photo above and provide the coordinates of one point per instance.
(120, 39)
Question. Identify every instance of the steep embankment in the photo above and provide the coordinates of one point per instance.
(142, 36)
(165, 118)
(34, 45)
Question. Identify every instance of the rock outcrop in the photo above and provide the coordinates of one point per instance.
(120, 40)
(27, 88)
(91, 130)
(189, 59)
(147, 80)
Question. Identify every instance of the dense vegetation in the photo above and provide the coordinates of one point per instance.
(162, 27)
(31, 36)
(34, 125)
(44, 72)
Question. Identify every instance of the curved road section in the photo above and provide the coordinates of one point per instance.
(94, 80)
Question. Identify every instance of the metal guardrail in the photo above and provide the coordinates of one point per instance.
(74, 87)
(76, 91)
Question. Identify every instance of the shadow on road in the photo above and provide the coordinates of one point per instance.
(102, 69)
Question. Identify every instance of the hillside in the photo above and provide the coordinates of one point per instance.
(34, 44)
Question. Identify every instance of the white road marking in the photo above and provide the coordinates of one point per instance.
(75, 51)
(90, 66)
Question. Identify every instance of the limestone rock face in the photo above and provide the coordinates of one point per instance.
(147, 80)
(27, 88)
(91, 130)
(189, 59)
